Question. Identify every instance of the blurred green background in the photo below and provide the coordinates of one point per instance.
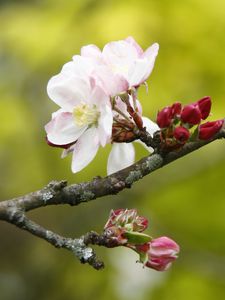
(184, 200)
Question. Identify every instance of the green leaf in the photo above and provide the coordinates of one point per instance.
(137, 238)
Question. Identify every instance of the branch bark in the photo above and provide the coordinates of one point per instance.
(57, 192)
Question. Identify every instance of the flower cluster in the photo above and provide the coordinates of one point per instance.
(176, 123)
(97, 96)
(125, 228)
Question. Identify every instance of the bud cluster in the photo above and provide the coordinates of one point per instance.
(125, 228)
(176, 123)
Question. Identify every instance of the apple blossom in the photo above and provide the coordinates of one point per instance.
(125, 58)
(84, 120)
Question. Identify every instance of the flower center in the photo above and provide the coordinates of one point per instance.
(85, 114)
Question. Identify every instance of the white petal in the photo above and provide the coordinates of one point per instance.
(62, 130)
(105, 125)
(152, 51)
(68, 91)
(151, 126)
(139, 71)
(112, 83)
(85, 150)
(132, 41)
(91, 51)
(121, 156)
(119, 56)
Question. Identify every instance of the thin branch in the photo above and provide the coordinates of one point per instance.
(57, 192)
(13, 211)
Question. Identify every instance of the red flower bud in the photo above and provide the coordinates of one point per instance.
(209, 129)
(204, 106)
(191, 114)
(164, 117)
(176, 109)
(181, 134)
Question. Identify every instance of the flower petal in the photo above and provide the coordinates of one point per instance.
(105, 122)
(62, 129)
(151, 126)
(112, 83)
(121, 156)
(91, 51)
(152, 51)
(132, 41)
(85, 149)
(68, 91)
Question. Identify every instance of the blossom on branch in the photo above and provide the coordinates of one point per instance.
(97, 95)
(125, 58)
(84, 120)
(125, 228)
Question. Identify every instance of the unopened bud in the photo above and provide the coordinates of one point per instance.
(191, 114)
(181, 134)
(204, 106)
(164, 117)
(159, 253)
(209, 129)
(176, 109)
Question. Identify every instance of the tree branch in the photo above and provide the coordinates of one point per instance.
(13, 211)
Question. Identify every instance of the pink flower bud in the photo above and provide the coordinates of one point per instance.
(181, 134)
(164, 117)
(161, 253)
(191, 114)
(209, 129)
(122, 226)
(204, 106)
(128, 219)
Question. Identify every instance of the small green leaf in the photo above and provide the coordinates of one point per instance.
(137, 238)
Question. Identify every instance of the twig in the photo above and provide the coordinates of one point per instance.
(13, 211)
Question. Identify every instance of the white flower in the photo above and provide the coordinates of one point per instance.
(95, 91)
(125, 58)
(84, 120)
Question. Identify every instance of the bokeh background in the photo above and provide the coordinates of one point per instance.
(184, 200)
